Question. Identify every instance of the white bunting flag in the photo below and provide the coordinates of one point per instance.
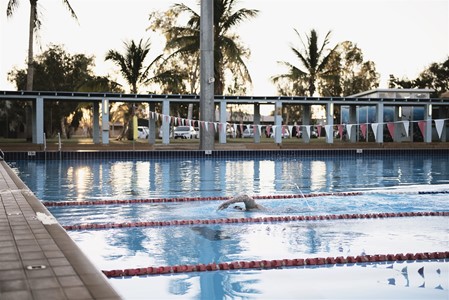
(406, 127)
(307, 130)
(327, 128)
(259, 127)
(290, 127)
(348, 129)
(439, 126)
(374, 128)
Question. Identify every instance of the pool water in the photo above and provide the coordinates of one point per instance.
(395, 184)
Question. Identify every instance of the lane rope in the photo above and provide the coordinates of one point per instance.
(278, 264)
(224, 198)
(252, 220)
(191, 199)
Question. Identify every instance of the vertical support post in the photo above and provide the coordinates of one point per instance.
(207, 79)
(330, 123)
(278, 122)
(222, 131)
(380, 121)
(151, 125)
(397, 138)
(428, 120)
(38, 121)
(165, 122)
(256, 122)
(105, 121)
(353, 121)
(306, 117)
(96, 122)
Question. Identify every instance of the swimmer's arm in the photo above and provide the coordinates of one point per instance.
(249, 202)
(225, 205)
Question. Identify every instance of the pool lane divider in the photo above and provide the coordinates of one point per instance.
(217, 198)
(279, 264)
(191, 199)
(252, 220)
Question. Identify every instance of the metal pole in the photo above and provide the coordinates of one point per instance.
(207, 75)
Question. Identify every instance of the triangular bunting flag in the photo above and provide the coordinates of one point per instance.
(268, 130)
(327, 128)
(340, 130)
(363, 130)
(374, 128)
(390, 126)
(422, 127)
(406, 127)
(439, 126)
(318, 129)
(259, 127)
(290, 127)
(307, 130)
(348, 129)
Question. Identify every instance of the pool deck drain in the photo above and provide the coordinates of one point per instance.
(38, 260)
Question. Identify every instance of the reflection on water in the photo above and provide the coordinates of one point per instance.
(77, 180)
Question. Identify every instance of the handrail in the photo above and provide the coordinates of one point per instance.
(2, 155)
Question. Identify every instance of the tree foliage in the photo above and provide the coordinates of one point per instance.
(435, 76)
(313, 59)
(57, 70)
(34, 26)
(347, 73)
(183, 43)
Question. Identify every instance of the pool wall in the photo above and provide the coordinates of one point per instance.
(189, 154)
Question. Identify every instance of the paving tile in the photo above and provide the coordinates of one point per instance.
(79, 293)
(70, 281)
(49, 294)
(13, 285)
(43, 283)
(16, 295)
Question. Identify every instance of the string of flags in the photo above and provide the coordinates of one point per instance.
(257, 128)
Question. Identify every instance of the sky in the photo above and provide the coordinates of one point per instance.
(402, 37)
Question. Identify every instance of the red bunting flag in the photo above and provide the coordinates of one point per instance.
(422, 127)
(390, 126)
(363, 129)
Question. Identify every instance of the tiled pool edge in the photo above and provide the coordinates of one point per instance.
(189, 154)
(56, 246)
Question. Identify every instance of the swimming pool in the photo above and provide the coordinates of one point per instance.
(300, 189)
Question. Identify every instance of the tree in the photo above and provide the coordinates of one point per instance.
(57, 70)
(229, 52)
(436, 77)
(313, 59)
(346, 72)
(133, 69)
(34, 26)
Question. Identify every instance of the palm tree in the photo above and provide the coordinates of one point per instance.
(34, 26)
(313, 59)
(133, 70)
(229, 53)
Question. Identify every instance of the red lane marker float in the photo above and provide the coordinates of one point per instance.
(277, 263)
(253, 220)
(189, 199)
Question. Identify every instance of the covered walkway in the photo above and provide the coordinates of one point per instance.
(397, 127)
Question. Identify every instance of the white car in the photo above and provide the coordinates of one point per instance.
(142, 132)
(185, 132)
(248, 133)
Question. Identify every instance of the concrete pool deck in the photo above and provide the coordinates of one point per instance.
(38, 260)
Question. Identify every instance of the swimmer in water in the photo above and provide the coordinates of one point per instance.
(250, 203)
